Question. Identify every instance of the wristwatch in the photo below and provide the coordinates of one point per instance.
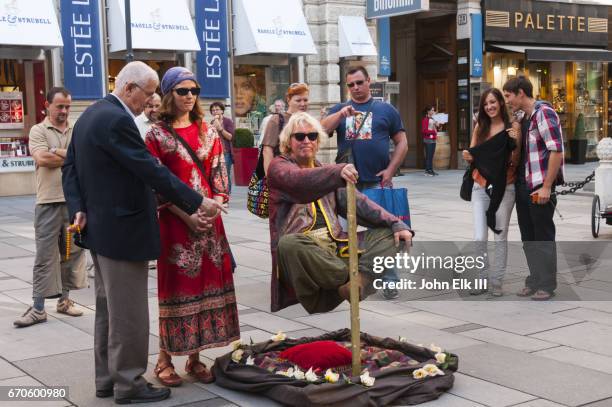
(53, 150)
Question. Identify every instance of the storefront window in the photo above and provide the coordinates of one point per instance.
(575, 90)
(503, 66)
(13, 140)
(589, 101)
(255, 88)
(159, 66)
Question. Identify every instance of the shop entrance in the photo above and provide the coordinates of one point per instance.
(434, 92)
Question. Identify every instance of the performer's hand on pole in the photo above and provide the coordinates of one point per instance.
(349, 173)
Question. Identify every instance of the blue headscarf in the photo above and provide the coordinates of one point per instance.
(174, 76)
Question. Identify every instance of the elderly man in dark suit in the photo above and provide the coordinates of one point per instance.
(109, 178)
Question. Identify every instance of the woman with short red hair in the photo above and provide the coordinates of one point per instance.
(297, 101)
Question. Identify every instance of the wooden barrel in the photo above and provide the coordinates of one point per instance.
(441, 159)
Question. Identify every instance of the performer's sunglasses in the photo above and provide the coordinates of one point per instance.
(185, 91)
(301, 136)
(352, 84)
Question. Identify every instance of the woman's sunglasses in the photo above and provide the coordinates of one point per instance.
(185, 91)
(301, 136)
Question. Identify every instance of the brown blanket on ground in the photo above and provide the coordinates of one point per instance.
(392, 386)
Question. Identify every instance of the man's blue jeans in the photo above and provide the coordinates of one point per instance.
(228, 165)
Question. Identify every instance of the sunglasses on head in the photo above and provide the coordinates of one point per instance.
(195, 91)
(358, 83)
(294, 84)
(301, 136)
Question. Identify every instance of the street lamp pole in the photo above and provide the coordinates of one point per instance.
(129, 53)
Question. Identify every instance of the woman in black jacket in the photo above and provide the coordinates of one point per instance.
(494, 153)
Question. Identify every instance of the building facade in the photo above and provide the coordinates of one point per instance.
(440, 53)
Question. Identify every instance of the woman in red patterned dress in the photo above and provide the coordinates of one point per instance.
(197, 303)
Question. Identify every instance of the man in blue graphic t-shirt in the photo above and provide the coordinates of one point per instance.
(367, 125)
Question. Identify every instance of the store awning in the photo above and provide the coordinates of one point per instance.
(354, 37)
(31, 23)
(279, 27)
(156, 25)
(552, 54)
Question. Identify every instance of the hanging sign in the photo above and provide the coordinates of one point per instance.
(82, 56)
(212, 59)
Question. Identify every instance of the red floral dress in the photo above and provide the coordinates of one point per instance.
(197, 303)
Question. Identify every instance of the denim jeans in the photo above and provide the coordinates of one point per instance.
(228, 165)
(480, 204)
(538, 235)
(430, 149)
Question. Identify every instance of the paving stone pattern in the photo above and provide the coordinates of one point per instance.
(512, 353)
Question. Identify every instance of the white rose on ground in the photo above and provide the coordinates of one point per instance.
(366, 380)
(287, 373)
(311, 376)
(280, 336)
(440, 357)
(237, 355)
(298, 374)
(331, 377)
(419, 374)
(433, 370)
(236, 344)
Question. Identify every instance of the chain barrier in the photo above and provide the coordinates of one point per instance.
(575, 186)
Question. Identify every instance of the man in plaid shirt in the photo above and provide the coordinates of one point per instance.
(540, 169)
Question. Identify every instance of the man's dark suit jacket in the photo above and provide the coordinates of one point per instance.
(109, 174)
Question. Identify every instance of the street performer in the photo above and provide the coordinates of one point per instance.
(309, 248)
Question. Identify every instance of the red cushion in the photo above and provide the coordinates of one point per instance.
(318, 355)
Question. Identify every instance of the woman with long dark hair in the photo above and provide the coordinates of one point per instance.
(197, 303)
(494, 154)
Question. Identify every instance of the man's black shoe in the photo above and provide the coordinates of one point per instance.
(147, 395)
(102, 394)
(390, 293)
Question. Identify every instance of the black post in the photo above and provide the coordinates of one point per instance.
(129, 53)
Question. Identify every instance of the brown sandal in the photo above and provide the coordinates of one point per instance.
(204, 376)
(172, 380)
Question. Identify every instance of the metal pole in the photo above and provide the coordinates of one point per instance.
(353, 278)
(129, 53)
(230, 41)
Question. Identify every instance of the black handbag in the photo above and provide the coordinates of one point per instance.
(467, 184)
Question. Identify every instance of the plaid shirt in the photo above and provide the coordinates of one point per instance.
(544, 135)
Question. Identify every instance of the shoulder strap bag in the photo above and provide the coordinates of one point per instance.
(258, 194)
(192, 153)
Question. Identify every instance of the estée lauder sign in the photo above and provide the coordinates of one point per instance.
(543, 22)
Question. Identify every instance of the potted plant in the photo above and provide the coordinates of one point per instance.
(578, 144)
(245, 156)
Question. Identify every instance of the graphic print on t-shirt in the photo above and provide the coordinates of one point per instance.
(354, 123)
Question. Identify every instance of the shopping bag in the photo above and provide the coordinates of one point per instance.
(258, 193)
(394, 200)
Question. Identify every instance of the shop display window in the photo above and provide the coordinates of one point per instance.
(589, 101)
(13, 139)
(578, 91)
(255, 88)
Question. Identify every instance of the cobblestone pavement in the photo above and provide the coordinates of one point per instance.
(512, 352)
